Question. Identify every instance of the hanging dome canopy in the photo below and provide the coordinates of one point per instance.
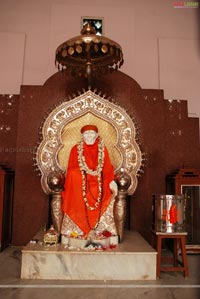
(89, 54)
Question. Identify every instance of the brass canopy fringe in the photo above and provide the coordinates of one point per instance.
(89, 54)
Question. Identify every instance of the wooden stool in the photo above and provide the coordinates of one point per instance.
(179, 240)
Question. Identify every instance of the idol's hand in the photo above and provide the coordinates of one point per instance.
(113, 187)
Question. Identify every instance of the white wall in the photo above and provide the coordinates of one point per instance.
(161, 44)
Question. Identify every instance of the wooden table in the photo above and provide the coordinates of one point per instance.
(179, 239)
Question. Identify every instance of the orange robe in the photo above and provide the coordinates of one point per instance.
(73, 203)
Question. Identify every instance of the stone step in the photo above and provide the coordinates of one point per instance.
(134, 259)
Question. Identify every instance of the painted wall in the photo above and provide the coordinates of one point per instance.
(160, 43)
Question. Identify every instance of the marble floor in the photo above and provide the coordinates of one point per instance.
(171, 285)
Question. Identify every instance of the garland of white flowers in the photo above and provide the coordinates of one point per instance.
(86, 170)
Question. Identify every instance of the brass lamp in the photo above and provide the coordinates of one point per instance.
(89, 54)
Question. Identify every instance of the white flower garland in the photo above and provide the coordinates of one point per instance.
(85, 169)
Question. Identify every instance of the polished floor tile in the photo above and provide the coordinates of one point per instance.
(171, 285)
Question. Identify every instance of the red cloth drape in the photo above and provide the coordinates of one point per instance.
(73, 203)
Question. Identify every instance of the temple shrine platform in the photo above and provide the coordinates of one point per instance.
(133, 259)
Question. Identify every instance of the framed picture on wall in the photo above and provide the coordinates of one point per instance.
(96, 22)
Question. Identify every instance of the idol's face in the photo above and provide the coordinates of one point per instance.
(89, 137)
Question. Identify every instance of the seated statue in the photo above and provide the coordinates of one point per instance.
(89, 189)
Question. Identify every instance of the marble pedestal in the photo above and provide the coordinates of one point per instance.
(134, 259)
